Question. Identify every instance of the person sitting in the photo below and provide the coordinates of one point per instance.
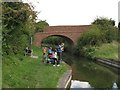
(29, 52)
(26, 51)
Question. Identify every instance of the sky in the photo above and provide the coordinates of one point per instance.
(75, 12)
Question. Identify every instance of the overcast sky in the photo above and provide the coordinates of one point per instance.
(75, 12)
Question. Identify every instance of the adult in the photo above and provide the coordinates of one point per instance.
(60, 50)
(30, 51)
(26, 51)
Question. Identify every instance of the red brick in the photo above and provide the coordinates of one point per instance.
(70, 32)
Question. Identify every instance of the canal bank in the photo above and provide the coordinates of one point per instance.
(65, 80)
(115, 64)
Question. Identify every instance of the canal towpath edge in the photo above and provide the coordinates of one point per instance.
(65, 79)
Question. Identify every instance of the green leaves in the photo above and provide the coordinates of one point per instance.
(40, 25)
(103, 21)
(18, 26)
(90, 37)
(102, 31)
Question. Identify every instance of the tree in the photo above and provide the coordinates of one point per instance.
(103, 21)
(107, 26)
(41, 25)
(18, 25)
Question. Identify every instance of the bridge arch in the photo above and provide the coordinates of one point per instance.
(39, 37)
(69, 40)
(72, 33)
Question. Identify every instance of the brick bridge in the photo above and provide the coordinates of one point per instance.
(71, 33)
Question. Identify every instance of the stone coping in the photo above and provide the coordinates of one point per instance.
(109, 62)
(65, 79)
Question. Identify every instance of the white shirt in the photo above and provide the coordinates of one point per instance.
(54, 55)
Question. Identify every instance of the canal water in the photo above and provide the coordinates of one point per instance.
(89, 74)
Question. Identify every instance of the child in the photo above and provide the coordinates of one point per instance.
(44, 50)
(49, 54)
(44, 54)
(54, 57)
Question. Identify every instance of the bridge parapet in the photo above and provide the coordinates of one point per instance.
(66, 28)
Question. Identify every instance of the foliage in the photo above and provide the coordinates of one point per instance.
(102, 31)
(92, 37)
(109, 32)
(103, 21)
(40, 25)
(18, 26)
(76, 50)
(88, 51)
(107, 27)
(54, 41)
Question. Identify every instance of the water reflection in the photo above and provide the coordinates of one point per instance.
(79, 84)
(96, 75)
(115, 85)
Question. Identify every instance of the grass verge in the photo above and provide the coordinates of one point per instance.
(107, 51)
(31, 72)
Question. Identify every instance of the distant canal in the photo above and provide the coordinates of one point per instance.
(88, 74)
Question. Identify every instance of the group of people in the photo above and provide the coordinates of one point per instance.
(53, 56)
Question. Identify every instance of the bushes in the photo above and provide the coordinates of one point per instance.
(89, 51)
(102, 31)
(91, 37)
(40, 25)
(96, 36)
(107, 26)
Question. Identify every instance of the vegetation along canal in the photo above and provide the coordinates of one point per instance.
(87, 73)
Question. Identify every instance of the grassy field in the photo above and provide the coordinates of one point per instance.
(31, 72)
(107, 51)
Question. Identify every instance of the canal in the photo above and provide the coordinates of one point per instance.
(89, 74)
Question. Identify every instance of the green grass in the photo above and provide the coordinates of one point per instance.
(31, 72)
(0, 72)
(107, 51)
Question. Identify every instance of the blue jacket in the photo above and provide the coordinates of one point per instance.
(59, 48)
(49, 51)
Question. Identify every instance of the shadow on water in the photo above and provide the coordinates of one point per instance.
(96, 75)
